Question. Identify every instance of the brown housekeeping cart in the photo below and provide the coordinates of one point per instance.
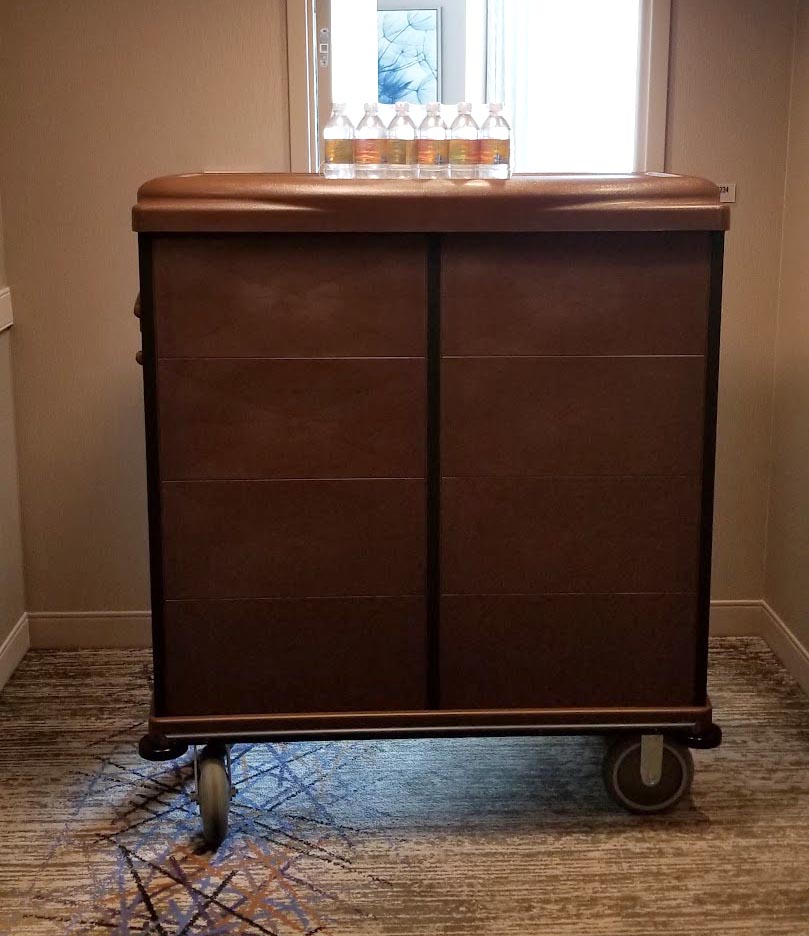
(431, 458)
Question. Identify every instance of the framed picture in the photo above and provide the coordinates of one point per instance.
(409, 52)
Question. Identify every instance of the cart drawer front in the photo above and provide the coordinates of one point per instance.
(268, 539)
(570, 535)
(303, 655)
(572, 416)
(334, 418)
(290, 295)
(608, 293)
(521, 651)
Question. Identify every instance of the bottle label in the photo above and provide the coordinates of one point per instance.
(495, 152)
(338, 152)
(464, 152)
(402, 152)
(433, 152)
(369, 152)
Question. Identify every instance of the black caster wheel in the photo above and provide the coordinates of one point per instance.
(158, 748)
(710, 738)
(213, 794)
(626, 785)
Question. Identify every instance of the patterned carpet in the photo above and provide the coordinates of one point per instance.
(498, 836)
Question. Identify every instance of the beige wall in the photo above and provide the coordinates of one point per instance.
(727, 121)
(787, 582)
(102, 94)
(98, 96)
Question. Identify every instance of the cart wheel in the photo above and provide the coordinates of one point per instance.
(213, 794)
(158, 748)
(622, 776)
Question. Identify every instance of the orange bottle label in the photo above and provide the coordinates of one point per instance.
(402, 152)
(338, 152)
(433, 152)
(495, 152)
(369, 152)
(464, 152)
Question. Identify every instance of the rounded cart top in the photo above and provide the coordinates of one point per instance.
(286, 202)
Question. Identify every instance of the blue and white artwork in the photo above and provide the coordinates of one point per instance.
(408, 56)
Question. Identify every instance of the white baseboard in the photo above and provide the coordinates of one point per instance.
(786, 646)
(90, 629)
(756, 618)
(13, 649)
(110, 629)
(737, 618)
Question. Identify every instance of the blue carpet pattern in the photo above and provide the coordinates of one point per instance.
(495, 836)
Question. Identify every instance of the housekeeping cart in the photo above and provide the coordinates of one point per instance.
(431, 458)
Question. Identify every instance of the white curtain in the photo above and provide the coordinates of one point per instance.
(567, 71)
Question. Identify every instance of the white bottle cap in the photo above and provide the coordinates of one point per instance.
(464, 108)
(495, 108)
(433, 108)
(338, 108)
(371, 108)
(402, 107)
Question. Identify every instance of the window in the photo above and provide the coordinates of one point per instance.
(583, 81)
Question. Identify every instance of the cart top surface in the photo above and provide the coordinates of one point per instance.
(286, 202)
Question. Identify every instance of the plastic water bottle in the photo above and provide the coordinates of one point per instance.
(338, 145)
(370, 145)
(495, 145)
(433, 145)
(402, 144)
(464, 148)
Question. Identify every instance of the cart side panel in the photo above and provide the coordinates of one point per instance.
(288, 416)
(574, 386)
(149, 366)
(250, 656)
(709, 464)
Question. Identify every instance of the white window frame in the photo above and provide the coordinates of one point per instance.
(302, 85)
(653, 86)
(309, 83)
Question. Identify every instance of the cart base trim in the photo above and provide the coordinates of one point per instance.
(691, 722)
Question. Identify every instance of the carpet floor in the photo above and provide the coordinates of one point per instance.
(494, 836)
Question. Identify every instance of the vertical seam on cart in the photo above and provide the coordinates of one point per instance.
(433, 487)
(709, 461)
(149, 348)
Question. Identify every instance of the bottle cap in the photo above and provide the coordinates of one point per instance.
(402, 107)
(338, 108)
(495, 108)
(433, 108)
(464, 108)
(371, 108)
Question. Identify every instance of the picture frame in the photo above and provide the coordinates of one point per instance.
(409, 55)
